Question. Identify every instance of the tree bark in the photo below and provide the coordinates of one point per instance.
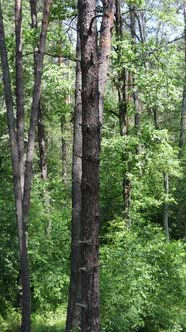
(104, 49)
(74, 308)
(23, 255)
(19, 88)
(90, 168)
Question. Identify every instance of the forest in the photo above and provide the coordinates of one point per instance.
(93, 166)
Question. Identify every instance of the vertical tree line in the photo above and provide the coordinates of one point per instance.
(22, 172)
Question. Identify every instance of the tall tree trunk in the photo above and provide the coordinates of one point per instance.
(183, 112)
(123, 116)
(19, 88)
(90, 167)
(74, 301)
(42, 140)
(136, 101)
(104, 49)
(35, 109)
(166, 206)
(23, 255)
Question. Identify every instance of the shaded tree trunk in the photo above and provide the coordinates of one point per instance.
(90, 168)
(74, 300)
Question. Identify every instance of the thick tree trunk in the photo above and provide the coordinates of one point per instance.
(166, 207)
(74, 301)
(23, 256)
(90, 168)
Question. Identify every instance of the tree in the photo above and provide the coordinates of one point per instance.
(22, 194)
(90, 168)
(74, 300)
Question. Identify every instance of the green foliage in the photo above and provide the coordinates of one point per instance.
(142, 278)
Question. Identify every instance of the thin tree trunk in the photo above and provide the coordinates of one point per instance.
(123, 117)
(166, 207)
(63, 152)
(35, 109)
(42, 145)
(74, 301)
(104, 49)
(23, 256)
(19, 88)
(135, 92)
(183, 112)
(42, 140)
(90, 168)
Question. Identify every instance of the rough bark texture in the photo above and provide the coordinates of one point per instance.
(24, 267)
(19, 88)
(35, 108)
(90, 168)
(74, 308)
(104, 49)
(166, 207)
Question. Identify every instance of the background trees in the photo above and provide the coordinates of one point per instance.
(142, 275)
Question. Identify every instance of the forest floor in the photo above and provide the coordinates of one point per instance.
(47, 322)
